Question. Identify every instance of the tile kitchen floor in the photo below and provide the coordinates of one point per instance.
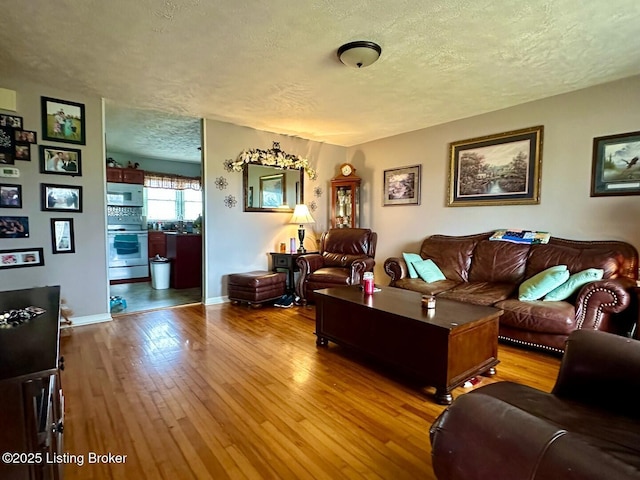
(140, 296)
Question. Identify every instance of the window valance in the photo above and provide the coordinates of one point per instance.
(168, 180)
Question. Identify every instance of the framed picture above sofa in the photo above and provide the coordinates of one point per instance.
(402, 186)
(501, 169)
(616, 165)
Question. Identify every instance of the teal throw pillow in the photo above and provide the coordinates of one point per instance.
(576, 281)
(542, 283)
(428, 271)
(409, 258)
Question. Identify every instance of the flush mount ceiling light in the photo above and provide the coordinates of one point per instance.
(359, 54)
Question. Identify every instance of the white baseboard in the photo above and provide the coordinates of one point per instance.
(216, 300)
(105, 317)
(89, 319)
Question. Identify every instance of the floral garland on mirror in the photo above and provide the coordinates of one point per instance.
(271, 158)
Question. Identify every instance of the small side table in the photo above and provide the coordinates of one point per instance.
(287, 261)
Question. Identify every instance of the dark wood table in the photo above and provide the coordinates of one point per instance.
(443, 347)
(287, 261)
(30, 390)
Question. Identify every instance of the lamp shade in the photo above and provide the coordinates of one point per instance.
(301, 215)
(359, 54)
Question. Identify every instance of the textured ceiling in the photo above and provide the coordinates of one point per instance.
(272, 65)
(152, 134)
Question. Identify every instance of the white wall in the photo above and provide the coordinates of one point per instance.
(81, 275)
(571, 121)
(238, 242)
(241, 242)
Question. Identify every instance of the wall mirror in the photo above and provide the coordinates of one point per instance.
(271, 189)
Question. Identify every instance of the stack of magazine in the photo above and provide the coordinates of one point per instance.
(530, 237)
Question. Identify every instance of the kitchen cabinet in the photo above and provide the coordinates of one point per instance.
(114, 175)
(157, 243)
(185, 252)
(30, 389)
(125, 175)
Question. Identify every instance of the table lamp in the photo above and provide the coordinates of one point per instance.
(301, 216)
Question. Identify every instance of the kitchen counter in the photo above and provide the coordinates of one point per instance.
(185, 252)
(158, 241)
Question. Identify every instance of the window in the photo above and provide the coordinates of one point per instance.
(192, 203)
(166, 204)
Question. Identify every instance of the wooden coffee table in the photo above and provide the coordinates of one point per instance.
(442, 347)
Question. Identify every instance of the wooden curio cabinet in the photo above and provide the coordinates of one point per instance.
(345, 201)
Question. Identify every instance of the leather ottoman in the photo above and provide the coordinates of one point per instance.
(256, 287)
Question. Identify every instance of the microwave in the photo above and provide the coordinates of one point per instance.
(125, 194)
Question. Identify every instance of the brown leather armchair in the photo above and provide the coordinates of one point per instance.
(345, 254)
(588, 427)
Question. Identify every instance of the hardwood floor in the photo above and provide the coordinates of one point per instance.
(225, 391)
(141, 296)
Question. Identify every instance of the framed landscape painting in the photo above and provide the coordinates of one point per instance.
(402, 186)
(616, 165)
(63, 121)
(502, 169)
(272, 190)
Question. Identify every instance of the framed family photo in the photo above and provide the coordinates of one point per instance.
(7, 145)
(60, 161)
(402, 186)
(10, 196)
(21, 257)
(23, 152)
(26, 137)
(616, 166)
(62, 235)
(63, 121)
(502, 169)
(60, 198)
(14, 227)
(12, 121)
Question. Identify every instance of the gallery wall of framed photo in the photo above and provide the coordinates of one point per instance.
(63, 132)
(62, 122)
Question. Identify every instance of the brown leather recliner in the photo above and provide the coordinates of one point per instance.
(587, 428)
(345, 254)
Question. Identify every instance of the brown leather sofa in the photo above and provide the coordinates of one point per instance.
(345, 254)
(587, 428)
(486, 272)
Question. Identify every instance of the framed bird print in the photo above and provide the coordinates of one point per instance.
(616, 165)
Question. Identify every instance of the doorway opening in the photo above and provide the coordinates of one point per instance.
(162, 154)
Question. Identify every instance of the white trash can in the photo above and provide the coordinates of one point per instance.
(160, 272)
